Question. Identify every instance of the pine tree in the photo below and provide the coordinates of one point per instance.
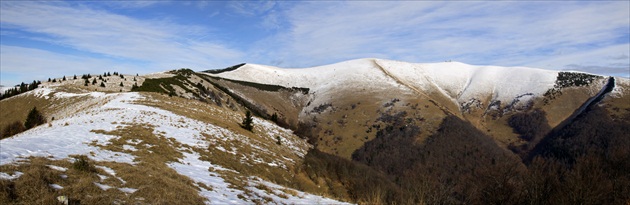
(102, 84)
(54, 80)
(49, 80)
(34, 118)
(134, 87)
(86, 82)
(248, 121)
(121, 84)
(64, 78)
(94, 81)
(75, 77)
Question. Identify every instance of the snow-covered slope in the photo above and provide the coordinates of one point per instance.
(364, 73)
(462, 82)
(459, 82)
(80, 133)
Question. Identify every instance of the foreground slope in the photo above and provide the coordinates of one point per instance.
(147, 147)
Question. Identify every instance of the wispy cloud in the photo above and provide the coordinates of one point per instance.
(502, 33)
(157, 42)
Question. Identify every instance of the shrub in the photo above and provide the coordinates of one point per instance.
(81, 163)
(12, 129)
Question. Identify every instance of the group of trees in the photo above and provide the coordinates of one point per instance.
(33, 119)
(22, 88)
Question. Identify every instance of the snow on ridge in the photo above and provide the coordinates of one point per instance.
(622, 86)
(457, 80)
(462, 82)
(358, 73)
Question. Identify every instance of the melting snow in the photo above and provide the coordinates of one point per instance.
(104, 187)
(58, 168)
(128, 190)
(13, 176)
(73, 135)
(56, 186)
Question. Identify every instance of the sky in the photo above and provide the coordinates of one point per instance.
(41, 40)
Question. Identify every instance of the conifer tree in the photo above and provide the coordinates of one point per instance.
(94, 81)
(248, 121)
(121, 84)
(49, 80)
(34, 118)
(64, 78)
(75, 77)
(102, 84)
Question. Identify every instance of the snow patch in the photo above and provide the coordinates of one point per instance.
(128, 190)
(198, 171)
(13, 176)
(104, 187)
(56, 186)
(58, 168)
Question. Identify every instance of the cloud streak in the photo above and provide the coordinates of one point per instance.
(157, 42)
(502, 33)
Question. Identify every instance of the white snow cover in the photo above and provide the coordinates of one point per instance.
(72, 135)
(622, 86)
(458, 81)
(300, 198)
(13, 176)
(462, 82)
(58, 168)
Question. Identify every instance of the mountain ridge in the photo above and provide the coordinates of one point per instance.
(314, 130)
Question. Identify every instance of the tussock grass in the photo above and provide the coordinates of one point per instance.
(34, 186)
(156, 182)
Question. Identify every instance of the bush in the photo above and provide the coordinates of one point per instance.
(81, 163)
(12, 129)
(34, 119)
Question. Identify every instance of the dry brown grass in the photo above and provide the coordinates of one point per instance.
(33, 187)
(156, 182)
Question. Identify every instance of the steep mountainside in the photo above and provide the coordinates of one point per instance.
(486, 96)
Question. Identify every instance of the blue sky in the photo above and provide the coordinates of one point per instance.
(55, 38)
